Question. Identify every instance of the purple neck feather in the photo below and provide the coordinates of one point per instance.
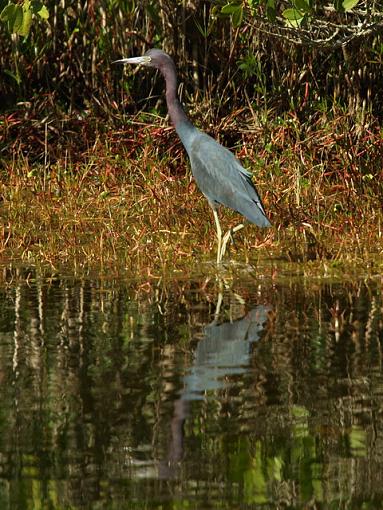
(175, 109)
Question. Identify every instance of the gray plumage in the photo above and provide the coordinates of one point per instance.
(220, 176)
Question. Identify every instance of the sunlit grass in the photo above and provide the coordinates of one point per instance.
(130, 202)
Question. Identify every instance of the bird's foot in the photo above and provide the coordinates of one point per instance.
(229, 235)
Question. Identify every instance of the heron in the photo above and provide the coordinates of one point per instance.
(217, 172)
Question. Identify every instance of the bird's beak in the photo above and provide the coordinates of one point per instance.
(134, 60)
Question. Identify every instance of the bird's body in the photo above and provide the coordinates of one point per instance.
(218, 174)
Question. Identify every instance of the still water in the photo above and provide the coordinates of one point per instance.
(248, 392)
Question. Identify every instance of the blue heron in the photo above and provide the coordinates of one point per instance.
(219, 175)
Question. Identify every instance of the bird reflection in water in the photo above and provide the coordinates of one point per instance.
(224, 350)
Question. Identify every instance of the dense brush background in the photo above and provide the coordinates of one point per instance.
(302, 106)
(64, 66)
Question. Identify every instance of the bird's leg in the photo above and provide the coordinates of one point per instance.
(227, 236)
(219, 235)
(219, 303)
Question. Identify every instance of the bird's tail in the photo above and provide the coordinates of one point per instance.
(254, 212)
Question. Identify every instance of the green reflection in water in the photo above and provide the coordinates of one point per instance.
(128, 395)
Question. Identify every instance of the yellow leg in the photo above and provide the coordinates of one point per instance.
(219, 235)
(227, 236)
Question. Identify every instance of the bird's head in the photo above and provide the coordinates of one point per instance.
(152, 58)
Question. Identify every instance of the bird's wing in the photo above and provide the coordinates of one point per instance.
(222, 179)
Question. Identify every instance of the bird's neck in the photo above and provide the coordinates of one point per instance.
(175, 109)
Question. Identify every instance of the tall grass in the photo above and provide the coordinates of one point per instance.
(136, 206)
(87, 176)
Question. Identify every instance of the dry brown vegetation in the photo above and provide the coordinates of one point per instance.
(87, 180)
(131, 202)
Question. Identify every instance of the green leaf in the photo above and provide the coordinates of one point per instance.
(43, 12)
(237, 17)
(26, 23)
(234, 10)
(8, 12)
(16, 22)
(293, 17)
(253, 3)
(302, 5)
(271, 13)
(19, 17)
(230, 8)
(348, 5)
(40, 9)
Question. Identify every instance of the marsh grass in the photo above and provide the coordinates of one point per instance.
(129, 201)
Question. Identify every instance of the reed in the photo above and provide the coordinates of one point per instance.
(129, 200)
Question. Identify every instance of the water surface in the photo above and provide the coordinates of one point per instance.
(248, 392)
